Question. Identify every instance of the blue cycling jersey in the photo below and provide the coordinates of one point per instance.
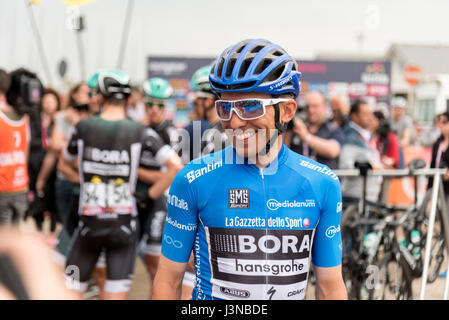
(253, 230)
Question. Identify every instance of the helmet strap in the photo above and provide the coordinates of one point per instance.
(281, 127)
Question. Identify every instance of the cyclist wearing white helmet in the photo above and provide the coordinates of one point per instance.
(109, 148)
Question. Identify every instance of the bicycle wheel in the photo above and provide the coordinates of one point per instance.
(438, 246)
(391, 280)
(351, 233)
(350, 240)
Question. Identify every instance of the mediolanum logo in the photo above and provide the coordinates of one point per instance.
(332, 231)
(274, 204)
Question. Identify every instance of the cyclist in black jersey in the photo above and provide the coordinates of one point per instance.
(109, 149)
(152, 213)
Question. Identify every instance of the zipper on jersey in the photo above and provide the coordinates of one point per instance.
(266, 224)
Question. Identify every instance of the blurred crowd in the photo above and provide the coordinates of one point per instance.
(36, 124)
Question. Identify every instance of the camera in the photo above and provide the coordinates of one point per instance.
(26, 91)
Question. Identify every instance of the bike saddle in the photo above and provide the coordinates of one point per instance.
(363, 166)
(416, 164)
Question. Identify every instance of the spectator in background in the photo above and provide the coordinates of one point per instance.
(78, 108)
(440, 152)
(136, 108)
(317, 138)
(428, 136)
(357, 148)
(14, 148)
(340, 110)
(386, 142)
(401, 124)
(50, 105)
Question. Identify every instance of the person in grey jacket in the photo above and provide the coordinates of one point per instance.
(357, 147)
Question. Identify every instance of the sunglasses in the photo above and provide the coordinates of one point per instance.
(151, 104)
(249, 109)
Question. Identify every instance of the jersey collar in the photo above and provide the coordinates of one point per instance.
(270, 169)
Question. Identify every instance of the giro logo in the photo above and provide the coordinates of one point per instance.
(273, 204)
(306, 222)
(332, 231)
(175, 243)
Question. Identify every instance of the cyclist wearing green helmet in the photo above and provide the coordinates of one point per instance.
(214, 139)
(152, 213)
(92, 83)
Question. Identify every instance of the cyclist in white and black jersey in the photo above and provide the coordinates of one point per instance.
(109, 149)
(152, 212)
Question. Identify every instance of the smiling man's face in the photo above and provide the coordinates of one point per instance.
(250, 137)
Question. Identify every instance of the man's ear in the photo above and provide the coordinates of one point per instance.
(209, 103)
(288, 111)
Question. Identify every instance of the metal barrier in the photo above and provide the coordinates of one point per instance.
(437, 193)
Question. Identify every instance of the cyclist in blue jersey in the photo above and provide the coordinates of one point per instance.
(255, 214)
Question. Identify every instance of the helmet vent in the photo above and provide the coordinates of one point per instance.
(230, 67)
(257, 49)
(244, 67)
(220, 68)
(262, 66)
(276, 73)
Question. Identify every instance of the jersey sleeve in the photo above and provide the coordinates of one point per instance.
(153, 146)
(71, 150)
(181, 223)
(327, 245)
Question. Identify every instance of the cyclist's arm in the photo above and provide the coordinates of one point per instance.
(177, 241)
(168, 280)
(327, 244)
(173, 164)
(329, 284)
(149, 176)
(164, 155)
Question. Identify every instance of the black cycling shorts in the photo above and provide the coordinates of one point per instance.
(154, 226)
(118, 238)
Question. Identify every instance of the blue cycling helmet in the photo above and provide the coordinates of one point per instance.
(255, 65)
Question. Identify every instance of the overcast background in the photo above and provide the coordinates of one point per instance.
(201, 28)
